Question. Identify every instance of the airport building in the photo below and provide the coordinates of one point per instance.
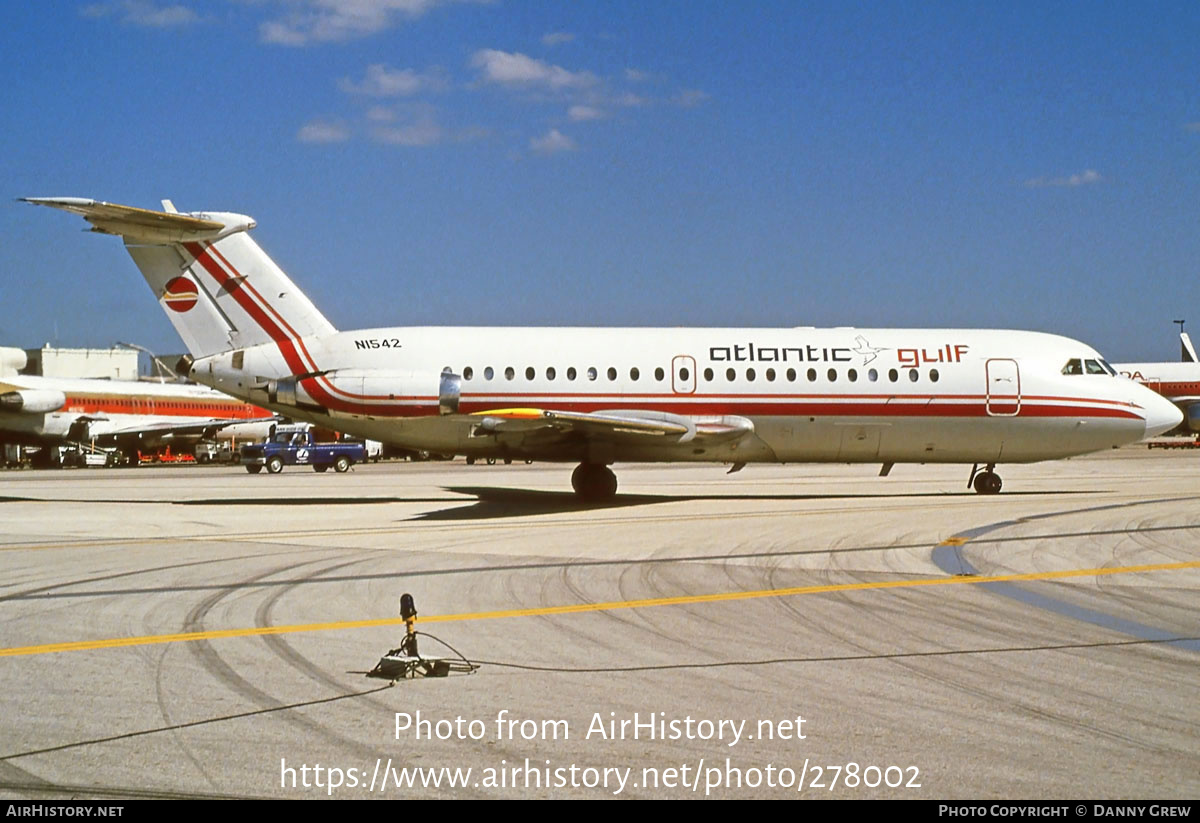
(115, 363)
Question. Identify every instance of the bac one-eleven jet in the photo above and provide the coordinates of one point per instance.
(600, 396)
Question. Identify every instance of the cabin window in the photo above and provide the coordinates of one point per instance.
(893, 375)
(612, 373)
(933, 375)
(750, 374)
(550, 373)
(770, 375)
(659, 374)
(591, 372)
(791, 375)
(529, 373)
(708, 374)
(510, 373)
(812, 375)
(852, 375)
(634, 374)
(730, 375)
(832, 375)
(684, 375)
(571, 373)
(468, 373)
(488, 373)
(1074, 366)
(872, 375)
(913, 375)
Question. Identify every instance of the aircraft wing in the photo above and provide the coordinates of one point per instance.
(206, 429)
(613, 426)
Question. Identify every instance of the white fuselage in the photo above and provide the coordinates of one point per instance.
(846, 395)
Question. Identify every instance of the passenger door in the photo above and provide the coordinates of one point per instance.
(1003, 387)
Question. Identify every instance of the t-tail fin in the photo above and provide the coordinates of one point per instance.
(1187, 352)
(218, 287)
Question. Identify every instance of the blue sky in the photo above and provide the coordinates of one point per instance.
(414, 162)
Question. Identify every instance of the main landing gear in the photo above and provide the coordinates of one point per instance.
(593, 481)
(986, 481)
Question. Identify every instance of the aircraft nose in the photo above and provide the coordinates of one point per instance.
(1161, 414)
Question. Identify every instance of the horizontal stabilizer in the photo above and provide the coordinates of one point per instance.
(146, 226)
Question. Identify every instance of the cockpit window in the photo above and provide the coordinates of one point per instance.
(1108, 368)
(1074, 366)
(1093, 367)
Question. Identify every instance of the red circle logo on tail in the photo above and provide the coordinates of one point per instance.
(180, 294)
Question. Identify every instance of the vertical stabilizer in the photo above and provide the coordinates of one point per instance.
(217, 286)
(1187, 352)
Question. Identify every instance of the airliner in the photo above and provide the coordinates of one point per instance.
(597, 396)
(127, 415)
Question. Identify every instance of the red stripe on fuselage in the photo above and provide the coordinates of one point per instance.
(288, 340)
(163, 407)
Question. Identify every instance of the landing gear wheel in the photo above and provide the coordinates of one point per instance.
(320, 467)
(470, 460)
(253, 468)
(275, 465)
(988, 482)
(592, 481)
(341, 465)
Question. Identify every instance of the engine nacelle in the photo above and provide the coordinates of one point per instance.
(12, 360)
(370, 392)
(32, 401)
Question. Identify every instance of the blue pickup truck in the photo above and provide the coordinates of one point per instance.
(297, 448)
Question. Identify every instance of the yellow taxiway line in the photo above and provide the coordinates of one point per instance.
(581, 608)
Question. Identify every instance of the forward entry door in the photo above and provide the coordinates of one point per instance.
(1003, 388)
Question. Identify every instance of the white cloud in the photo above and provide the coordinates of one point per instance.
(579, 114)
(630, 100)
(1082, 179)
(556, 38)
(425, 131)
(690, 98)
(323, 131)
(552, 142)
(635, 76)
(314, 21)
(521, 71)
(381, 81)
(144, 13)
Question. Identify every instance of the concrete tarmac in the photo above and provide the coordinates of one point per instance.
(202, 632)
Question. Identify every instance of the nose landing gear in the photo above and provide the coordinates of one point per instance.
(986, 481)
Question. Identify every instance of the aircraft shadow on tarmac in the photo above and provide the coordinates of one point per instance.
(492, 502)
(502, 502)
